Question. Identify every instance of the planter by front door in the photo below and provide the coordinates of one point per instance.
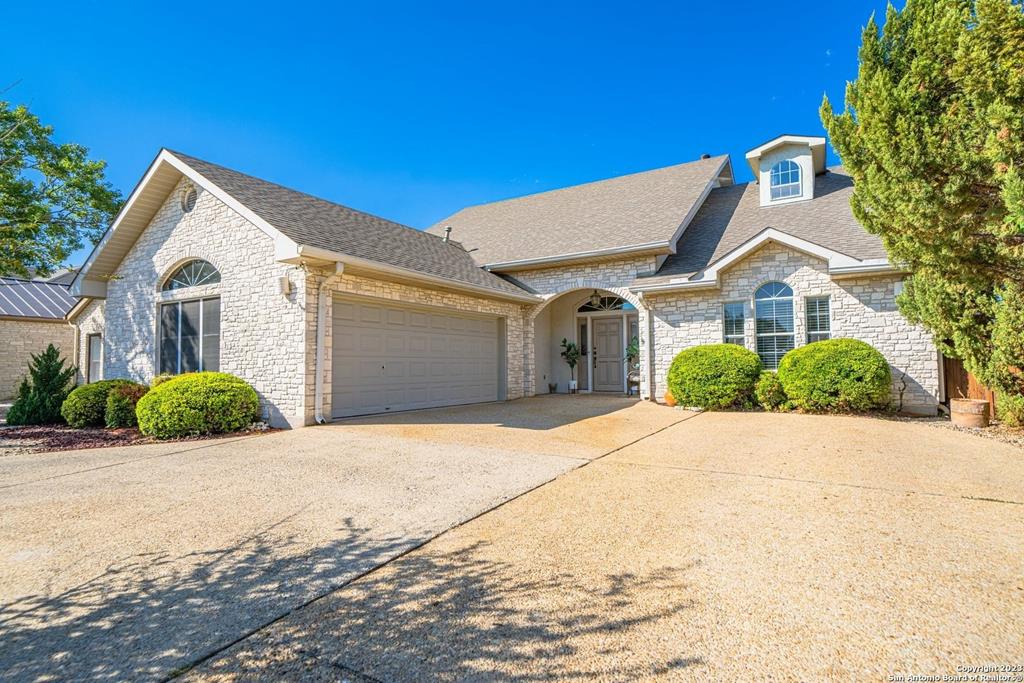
(608, 354)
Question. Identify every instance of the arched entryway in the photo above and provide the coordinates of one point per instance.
(605, 326)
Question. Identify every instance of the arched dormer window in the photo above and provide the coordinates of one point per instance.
(192, 274)
(785, 180)
(773, 314)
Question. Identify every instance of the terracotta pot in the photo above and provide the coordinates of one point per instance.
(670, 400)
(969, 412)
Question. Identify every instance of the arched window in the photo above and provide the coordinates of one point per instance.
(191, 274)
(596, 302)
(785, 180)
(773, 313)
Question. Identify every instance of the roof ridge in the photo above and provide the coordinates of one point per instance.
(304, 194)
(584, 184)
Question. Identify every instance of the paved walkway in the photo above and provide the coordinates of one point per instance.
(133, 563)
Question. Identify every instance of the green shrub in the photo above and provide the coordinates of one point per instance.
(41, 394)
(1010, 409)
(197, 403)
(121, 400)
(836, 375)
(160, 379)
(714, 376)
(86, 406)
(769, 392)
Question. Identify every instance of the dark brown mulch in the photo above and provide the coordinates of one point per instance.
(57, 438)
(42, 439)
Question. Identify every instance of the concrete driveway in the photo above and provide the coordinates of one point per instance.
(133, 563)
(742, 546)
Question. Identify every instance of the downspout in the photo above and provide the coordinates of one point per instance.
(323, 298)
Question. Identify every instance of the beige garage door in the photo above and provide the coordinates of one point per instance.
(388, 357)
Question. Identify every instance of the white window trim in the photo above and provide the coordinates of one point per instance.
(807, 322)
(89, 379)
(798, 184)
(743, 333)
(159, 331)
(792, 299)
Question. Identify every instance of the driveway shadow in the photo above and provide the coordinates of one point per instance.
(149, 614)
(464, 616)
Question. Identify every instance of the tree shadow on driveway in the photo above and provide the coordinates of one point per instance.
(463, 616)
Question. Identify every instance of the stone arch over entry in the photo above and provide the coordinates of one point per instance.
(567, 288)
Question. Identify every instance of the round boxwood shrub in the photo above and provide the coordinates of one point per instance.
(1010, 409)
(197, 403)
(121, 402)
(714, 376)
(836, 375)
(86, 406)
(769, 392)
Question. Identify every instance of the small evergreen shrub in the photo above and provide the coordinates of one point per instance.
(41, 394)
(714, 376)
(197, 403)
(86, 406)
(121, 400)
(769, 392)
(1010, 409)
(836, 375)
(160, 379)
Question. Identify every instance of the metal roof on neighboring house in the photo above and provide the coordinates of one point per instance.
(316, 222)
(633, 210)
(34, 299)
(732, 216)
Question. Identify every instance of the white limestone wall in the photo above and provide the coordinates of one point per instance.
(20, 339)
(613, 275)
(89, 321)
(862, 308)
(263, 332)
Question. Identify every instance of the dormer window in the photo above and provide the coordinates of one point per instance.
(785, 180)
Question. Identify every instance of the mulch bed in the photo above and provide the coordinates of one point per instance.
(45, 439)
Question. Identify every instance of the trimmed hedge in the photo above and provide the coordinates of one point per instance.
(121, 400)
(769, 392)
(836, 375)
(86, 406)
(198, 403)
(714, 376)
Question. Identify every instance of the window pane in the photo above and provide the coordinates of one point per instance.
(211, 334)
(732, 322)
(189, 336)
(169, 339)
(818, 322)
(95, 356)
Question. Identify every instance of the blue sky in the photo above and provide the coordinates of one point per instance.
(413, 110)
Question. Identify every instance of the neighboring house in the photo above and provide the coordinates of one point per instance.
(33, 315)
(330, 312)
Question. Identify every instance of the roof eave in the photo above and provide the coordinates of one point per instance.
(551, 261)
(357, 265)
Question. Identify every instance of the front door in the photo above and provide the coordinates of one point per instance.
(608, 354)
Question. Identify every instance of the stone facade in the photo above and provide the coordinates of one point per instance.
(89, 321)
(263, 332)
(20, 338)
(612, 276)
(513, 315)
(862, 308)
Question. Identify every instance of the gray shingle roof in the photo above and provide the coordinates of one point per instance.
(34, 299)
(630, 210)
(319, 223)
(733, 215)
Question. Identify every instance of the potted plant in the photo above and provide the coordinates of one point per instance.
(632, 365)
(571, 354)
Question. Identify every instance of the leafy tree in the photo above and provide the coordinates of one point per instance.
(52, 196)
(933, 136)
(42, 393)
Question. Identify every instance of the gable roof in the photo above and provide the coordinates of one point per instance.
(641, 211)
(37, 299)
(309, 220)
(733, 216)
(294, 220)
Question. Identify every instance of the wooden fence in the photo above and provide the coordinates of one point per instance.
(962, 384)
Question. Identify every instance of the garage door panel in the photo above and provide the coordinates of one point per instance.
(388, 358)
